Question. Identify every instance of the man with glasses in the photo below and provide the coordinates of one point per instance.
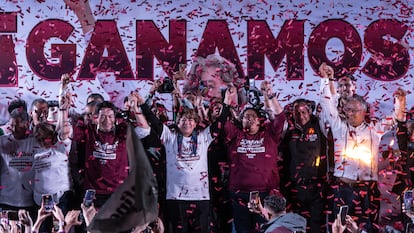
(356, 145)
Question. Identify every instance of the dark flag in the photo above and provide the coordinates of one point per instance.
(134, 202)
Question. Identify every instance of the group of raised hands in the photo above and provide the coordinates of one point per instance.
(65, 223)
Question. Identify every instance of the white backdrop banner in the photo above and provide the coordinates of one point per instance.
(135, 42)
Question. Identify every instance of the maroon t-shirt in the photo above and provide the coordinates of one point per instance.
(106, 158)
(253, 158)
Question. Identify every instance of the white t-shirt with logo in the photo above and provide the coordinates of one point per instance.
(51, 167)
(16, 173)
(187, 174)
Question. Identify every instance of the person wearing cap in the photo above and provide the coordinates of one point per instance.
(253, 154)
(356, 152)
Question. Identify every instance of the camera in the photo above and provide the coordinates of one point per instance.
(167, 86)
(253, 94)
(124, 114)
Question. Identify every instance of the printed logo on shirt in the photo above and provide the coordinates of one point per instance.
(312, 137)
(190, 157)
(40, 164)
(105, 151)
(187, 153)
(251, 147)
(21, 161)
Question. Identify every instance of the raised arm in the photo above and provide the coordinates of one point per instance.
(135, 101)
(83, 11)
(400, 100)
(63, 125)
(218, 125)
(327, 72)
(270, 98)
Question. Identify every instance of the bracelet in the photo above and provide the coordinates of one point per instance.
(63, 109)
(272, 96)
(331, 79)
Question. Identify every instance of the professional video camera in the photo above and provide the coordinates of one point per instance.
(253, 97)
(253, 94)
(126, 115)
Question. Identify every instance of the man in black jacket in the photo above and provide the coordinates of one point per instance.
(305, 159)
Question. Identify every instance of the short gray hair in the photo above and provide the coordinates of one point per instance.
(360, 99)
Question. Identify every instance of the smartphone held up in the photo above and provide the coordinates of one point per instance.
(343, 211)
(254, 200)
(89, 197)
(47, 201)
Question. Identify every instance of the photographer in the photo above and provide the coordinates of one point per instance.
(278, 220)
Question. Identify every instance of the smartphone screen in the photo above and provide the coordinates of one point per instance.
(410, 228)
(47, 202)
(408, 200)
(13, 215)
(252, 83)
(89, 196)
(343, 211)
(254, 199)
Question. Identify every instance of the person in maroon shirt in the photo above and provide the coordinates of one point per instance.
(253, 156)
(106, 158)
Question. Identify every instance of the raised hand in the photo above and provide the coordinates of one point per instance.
(65, 79)
(72, 219)
(266, 88)
(326, 71)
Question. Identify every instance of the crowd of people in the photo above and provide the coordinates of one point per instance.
(227, 149)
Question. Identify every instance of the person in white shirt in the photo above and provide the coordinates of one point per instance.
(16, 158)
(356, 152)
(51, 163)
(187, 192)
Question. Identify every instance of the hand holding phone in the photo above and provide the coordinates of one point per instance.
(343, 211)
